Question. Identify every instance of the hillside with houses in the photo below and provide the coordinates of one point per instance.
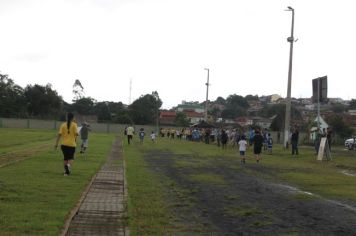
(265, 112)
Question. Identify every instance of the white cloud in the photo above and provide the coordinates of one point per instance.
(165, 46)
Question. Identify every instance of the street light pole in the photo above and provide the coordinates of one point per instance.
(155, 95)
(288, 99)
(206, 100)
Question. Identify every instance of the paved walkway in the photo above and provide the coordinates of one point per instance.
(102, 210)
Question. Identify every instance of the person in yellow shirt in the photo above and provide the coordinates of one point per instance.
(68, 132)
(130, 132)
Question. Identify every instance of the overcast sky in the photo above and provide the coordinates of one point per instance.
(164, 46)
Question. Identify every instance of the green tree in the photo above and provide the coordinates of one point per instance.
(181, 119)
(102, 110)
(236, 105)
(220, 100)
(352, 104)
(232, 113)
(277, 123)
(251, 98)
(42, 101)
(109, 111)
(84, 106)
(236, 101)
(338, 108)
(279, 110)
(144, 110)
(12, 100)
(339, 126)
(123, 118)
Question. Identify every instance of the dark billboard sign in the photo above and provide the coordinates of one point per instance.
(322, 84)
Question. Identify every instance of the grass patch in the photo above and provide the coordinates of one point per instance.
(243, 211)
(208, 178)
(17, 139)
(304, 197)
(147, 210)
(152, 214)
(35, 197)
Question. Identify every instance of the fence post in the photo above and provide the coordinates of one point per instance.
(107, 128)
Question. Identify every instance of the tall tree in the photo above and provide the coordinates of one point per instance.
(12, 101)
(84, 106)
(236, 100)
(42, 101)
(236, 105)
(78, 90)
(144, 110)
(220, 100)
(339, 126)
(109, 111)
(251, 97)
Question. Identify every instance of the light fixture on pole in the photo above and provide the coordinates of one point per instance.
(288, 99)
(206, 100)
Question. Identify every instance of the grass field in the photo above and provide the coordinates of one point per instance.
(35, 197)
(151, 213)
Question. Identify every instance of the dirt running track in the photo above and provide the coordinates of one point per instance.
(244, 204)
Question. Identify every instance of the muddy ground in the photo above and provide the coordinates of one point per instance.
(218, 197)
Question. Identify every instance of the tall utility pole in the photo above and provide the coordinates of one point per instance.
(288, 99)
(130, 91)
(206, 100)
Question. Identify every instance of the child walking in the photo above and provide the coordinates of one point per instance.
(141, 135)
(257, 144)
(153, 137)
(269, 144)
(242, 148)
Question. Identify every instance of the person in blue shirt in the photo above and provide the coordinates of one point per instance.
(141, 135)
(269, 143)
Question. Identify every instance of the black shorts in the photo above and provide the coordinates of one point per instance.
(68, 152)
(257, 150)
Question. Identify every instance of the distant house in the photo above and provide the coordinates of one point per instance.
(309, 107)
(193, 116)
(229, 121)
(275, 98)
(244, 121)
(350, 119)
(336, 101)
(167, 117)
(254, 106)
(189, 106)
(263, 122)
(322, 123)
(306, 101)
(352, 112)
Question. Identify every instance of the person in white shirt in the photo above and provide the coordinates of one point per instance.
(153, 137)
(242, 148)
